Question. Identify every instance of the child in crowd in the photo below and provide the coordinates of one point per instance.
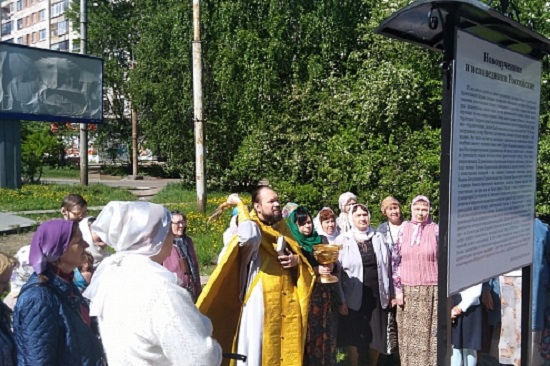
(74, 207)
(83, 276)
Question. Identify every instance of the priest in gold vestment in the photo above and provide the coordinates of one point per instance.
(258, 298)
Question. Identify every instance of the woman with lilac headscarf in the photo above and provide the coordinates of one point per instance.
(414, 264)
(51, 322)
(145, 317)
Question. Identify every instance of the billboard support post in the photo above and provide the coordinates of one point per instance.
(491, 73)
(10, 154)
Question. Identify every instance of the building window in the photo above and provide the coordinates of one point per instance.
(20, 40)
(7, 11)
(33, 37)
(19, 4)
(42, 34)
(62, 27)
(42, 15)
(58, 8)
(6, 28)
(61, 46)
(20, 23)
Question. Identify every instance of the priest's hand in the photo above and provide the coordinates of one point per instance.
(289, 260)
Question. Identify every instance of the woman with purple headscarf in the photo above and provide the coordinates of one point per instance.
(51, 322)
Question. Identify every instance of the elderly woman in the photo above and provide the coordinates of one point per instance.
(345, 202)
(391, 229)
(144, 317)
(325, 224)
(368, 290)
(51, 322)
(320, 348)
(414, 262)
(7, 346)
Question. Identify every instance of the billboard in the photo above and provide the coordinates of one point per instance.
(45, 85)
(494, 161)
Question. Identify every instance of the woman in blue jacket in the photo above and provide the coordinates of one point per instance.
(51, 321)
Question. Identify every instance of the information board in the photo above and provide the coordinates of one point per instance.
(494, 140)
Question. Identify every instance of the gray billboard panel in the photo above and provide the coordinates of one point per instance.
(46, 85)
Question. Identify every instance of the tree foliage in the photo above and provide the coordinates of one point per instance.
(39, 147)
(302, 93)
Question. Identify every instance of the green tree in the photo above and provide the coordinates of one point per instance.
(39, 147)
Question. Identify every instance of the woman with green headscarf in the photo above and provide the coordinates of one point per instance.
(320, 347)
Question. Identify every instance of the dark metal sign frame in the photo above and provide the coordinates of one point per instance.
(432, 24)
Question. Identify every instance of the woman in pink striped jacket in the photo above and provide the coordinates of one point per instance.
(414, 265)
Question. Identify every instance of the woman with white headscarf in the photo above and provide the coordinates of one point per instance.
(144, 317)
(345, 202)
(366, 277)
(325, 224)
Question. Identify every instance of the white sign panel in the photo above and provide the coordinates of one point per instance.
(493, 163)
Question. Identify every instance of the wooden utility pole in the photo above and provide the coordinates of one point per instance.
(83, 126)
(134, 144)
(198, 115)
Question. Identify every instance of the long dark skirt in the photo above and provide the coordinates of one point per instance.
(466, 331)
(321, 330)
(367, 327)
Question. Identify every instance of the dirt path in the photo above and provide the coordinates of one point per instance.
(11, 243)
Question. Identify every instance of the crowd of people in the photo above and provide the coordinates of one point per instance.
(124, 289)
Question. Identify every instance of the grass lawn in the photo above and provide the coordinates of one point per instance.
(207, 237)
(49, 196)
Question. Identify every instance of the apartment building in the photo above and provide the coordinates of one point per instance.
(38, 23)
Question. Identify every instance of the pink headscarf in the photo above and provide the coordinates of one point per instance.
(419, 226)
(49, 242)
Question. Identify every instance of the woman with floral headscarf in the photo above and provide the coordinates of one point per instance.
(7, 345)
(51, 322)
(144, 317)
(345, 202)
(368, 291)
(320, 347)
(414, 263)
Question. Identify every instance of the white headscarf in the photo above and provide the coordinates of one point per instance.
(342, 220)
(319, 227)
(131, 228)
(137, 227)
(355, 232)
(95, 250)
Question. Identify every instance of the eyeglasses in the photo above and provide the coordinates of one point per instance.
(78, 214)
(179, 223)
